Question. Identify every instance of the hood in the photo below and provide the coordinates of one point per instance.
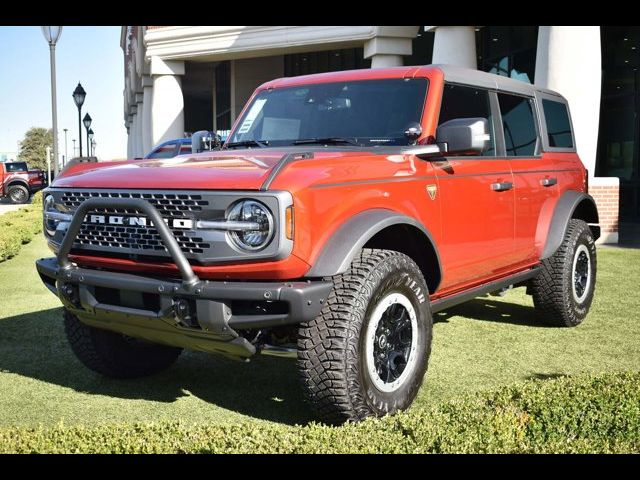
(228, 170)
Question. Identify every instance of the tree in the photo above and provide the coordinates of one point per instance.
(33, 148)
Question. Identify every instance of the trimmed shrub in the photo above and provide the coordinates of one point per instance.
(19, 227)
(587, 414)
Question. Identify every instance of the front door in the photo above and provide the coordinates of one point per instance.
(477, 200)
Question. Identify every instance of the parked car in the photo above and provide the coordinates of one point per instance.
(18, 183)
(343, 212)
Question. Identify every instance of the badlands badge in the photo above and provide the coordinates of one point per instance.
(431, 190)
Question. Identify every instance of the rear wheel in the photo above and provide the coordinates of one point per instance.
(115, 355)
(564, 288)
(367, 352)
(18, 194)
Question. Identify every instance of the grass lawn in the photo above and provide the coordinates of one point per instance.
(486, 343)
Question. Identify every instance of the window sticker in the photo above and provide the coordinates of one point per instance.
(255, 110)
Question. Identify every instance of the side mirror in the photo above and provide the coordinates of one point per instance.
(203, 140)
(465, 135)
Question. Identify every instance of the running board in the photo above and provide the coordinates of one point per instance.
(453, 300)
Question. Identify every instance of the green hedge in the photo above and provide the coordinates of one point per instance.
(19, 227)
(584, 414)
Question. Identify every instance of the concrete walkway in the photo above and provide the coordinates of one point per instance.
(7, 206)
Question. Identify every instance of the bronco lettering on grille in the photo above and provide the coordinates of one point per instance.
(184, 223)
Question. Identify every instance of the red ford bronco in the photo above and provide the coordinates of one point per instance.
(18, 183)
(343, 211)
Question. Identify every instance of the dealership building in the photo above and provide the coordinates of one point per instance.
(180, 79)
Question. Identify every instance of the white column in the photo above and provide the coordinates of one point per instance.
(147, 142)
(568, 61)
(128, 127)
(454, 45)
(167, 103)
(389, 45)
(139, 126)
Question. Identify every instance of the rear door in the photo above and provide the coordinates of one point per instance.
(476, 197)
(535, 178)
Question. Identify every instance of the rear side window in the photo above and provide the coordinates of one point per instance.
(467, 102)
(558, 124)
(16, 167)
(165, 151)
(518, 123)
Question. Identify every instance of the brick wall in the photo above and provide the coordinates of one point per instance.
(606, 192)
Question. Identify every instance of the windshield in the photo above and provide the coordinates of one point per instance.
(366, 112)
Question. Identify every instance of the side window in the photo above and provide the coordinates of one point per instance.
(558, 124)
(165, 151)
(518, 122)
(184, 149)
(467, 102)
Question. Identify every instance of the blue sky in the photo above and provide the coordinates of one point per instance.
(89, 55)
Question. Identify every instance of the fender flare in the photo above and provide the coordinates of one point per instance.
(17, 181)
(345, 243)
(566, 206)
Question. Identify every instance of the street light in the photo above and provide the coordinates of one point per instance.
(51, 35)
(90, 141)
(93, 148)
(74, 146)
(78, 98)
(66, 153)
(87, 123)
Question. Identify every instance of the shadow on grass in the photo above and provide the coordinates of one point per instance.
(487, 310)
(34, 345)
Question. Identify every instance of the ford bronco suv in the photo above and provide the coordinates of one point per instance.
(342, 212)
(18, 183)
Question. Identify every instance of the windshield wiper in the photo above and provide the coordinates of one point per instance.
(248, 143)
(329, 140)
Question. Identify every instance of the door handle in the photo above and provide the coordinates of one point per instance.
(501, 186)
(547, 182)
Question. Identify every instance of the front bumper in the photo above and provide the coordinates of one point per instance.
(148, 307)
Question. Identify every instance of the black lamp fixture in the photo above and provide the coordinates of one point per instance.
(87, 123)
(78, 98)
(90, 144)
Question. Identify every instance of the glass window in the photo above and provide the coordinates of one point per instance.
(369, 112)
(558, 124)
(16, 167)
(185, 148)
(467, 102)
(518, 122)
(165, 151)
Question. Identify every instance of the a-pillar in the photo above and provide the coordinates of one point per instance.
(147, 89)
(454, 45)
(167, 103)
(389, 45)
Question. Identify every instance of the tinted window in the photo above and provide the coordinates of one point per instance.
(16, 167)
(467, 102)
(165, 151)
(185, 148)
(519, 125)
(558, 124)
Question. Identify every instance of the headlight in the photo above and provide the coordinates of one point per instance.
(254, 212)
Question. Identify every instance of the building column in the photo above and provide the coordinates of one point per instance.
(147, 142)
(167, 102)
(454, 45)
(127, 125)
(133, 131)
(389, 45)
(139, 126)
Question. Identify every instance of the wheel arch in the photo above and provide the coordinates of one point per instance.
(20, 182)
(380, 228)
(571, 205)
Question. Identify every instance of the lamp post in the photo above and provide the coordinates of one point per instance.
(74, 146)
(78, 98)
(90, 142)
(51, 35)
(87, 123)
(93, 148)
(66, 153)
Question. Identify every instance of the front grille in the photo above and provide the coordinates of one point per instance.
(174, 205)
(140, 238)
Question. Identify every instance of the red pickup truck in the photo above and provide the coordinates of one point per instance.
(343, 211)
(18, 183)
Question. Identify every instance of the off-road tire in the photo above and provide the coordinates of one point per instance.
(332, 358)
(114, 355)
(552, 289)
(18, 194)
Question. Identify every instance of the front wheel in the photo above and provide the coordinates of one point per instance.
(564, 288)
(367, 352)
